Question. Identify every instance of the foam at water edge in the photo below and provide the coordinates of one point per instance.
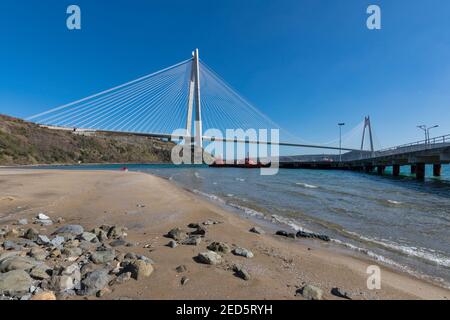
(305, 185)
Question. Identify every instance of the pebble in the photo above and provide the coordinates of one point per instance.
(42, 216)
(241, 272)
(88, 236)
(42, 240)
(172, 244)
(38, 254)
(243, 252)
(118, 243)
(341, 294)
(257, 230)
(22, 222)
(184, 280)
(11, 245)
(62, 283)
(181, 269)
(31, 234)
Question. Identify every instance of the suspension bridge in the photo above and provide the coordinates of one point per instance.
(191, 96)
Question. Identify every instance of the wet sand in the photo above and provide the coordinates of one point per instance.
(150, 206)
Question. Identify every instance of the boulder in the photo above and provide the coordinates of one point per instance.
(221, 247)
(243, 252)
(209, 257)
(14, 283)
(57, 241)
(38, 254)
(303, 234)
(62, 283)
(72, 252)
(117, 232)
(285, 234)
(11, 245)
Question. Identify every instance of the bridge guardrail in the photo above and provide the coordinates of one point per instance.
(421, 145)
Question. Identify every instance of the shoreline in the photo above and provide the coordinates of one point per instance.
(277, 260)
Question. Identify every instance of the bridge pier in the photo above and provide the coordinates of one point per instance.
(437, 170)
(368, 169)
(413, 169)
(396, 170)
(420, 171)
(380, 170)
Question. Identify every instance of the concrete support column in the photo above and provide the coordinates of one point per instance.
(413, 169)
(437, 170)
(420, 171)
(368, 169)
(396, 170)
(380, 170)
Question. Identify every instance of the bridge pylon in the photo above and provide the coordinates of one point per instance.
(194, 98)
(369, 127)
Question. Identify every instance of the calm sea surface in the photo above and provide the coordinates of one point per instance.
(399, 221)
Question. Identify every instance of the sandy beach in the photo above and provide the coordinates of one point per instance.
(150, 206)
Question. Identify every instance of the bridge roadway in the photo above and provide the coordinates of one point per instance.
(435, 151)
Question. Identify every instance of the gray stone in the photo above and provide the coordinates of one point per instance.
(146, 259)
(57, 241)
(23, 222)
(14, 283)
(200, 230)
(31, 234)
(62, 283)
(72, 252)
(72, 271)
(118, 243)
(221, 247)
(44, 222)
(18, 263)
(94, 281)
(257, 230)
(117, 232)
(102, 257)
(209, 257)
(241, 272)
(172, 244)
(88, 236)
(40, 272)
(184, 280)
(192, 241)
(38, 254)
(73, 229)
(139, 269)
(88, 267)
(341, 294)
(123, 277)
(243, 252)
(9, 254)
(131, 256)
(42, 216)
(310, 292)
(177, 234)
(42, 240)
(181, 269)
(11, 245)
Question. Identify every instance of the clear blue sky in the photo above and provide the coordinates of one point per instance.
(308, 64)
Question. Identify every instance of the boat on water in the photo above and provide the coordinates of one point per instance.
(247, 163)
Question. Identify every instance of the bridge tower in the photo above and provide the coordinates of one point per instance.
(369, 127)
(194, 98)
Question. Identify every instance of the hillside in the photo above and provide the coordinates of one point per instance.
(23, 142)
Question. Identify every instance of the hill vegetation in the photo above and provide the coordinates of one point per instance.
(24, 143)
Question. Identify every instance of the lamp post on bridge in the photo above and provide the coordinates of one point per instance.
(428, 131)
(340, 140)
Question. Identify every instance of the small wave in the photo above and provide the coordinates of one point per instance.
(422, 253)
(197, 175)
(209, 196)
(395, 202)
(240, 179)
(248, 211)
(305, 185)
(230, 195)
